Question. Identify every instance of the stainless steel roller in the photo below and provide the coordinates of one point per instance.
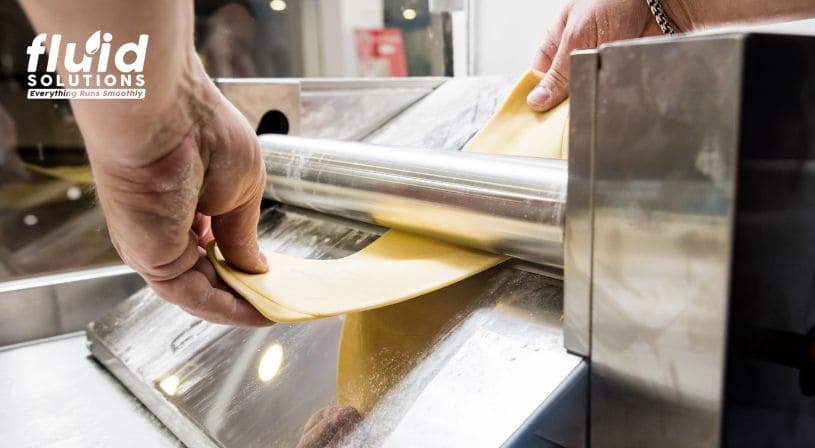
(503, 204)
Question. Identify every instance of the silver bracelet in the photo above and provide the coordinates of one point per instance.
(660, 16)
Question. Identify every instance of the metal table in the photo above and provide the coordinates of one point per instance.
(55, 394)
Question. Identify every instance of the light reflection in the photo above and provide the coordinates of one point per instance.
(409, 13)
(73, 193)
(170, 384)
(278, 5)
(30, 220)
(270, 362)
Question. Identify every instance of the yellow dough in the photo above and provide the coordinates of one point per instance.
(379, 347)
(397, 266)
(518, 131)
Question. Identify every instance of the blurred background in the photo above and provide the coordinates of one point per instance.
(48, 218)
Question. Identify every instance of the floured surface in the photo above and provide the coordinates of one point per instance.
(379, 347)
(397, 266)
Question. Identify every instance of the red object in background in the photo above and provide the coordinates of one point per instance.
(381, 52)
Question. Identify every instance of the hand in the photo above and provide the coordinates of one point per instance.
(175, 169)
(588, 24)
(329, 426)
(207, 185)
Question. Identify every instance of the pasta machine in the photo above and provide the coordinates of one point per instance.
(660, 286)
(676, 232)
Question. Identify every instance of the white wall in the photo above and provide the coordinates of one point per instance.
(337, 21)
(506, 33)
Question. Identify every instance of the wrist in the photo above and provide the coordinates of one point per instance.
(147, 132)
(683, 14)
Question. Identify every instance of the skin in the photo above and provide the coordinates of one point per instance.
(174, 170)
(329, 426)
(587, 24)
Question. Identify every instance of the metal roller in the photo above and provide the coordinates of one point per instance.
(503, 204)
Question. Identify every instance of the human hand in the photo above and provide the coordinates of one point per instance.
(328, 426)
(175, 169)
(588, 24)
(162, 213)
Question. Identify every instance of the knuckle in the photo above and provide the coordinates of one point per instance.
(557, 78)
(158, 273)
(155, 269)
(238, 241)
(573, 37)
(547, 45)
(202, 302)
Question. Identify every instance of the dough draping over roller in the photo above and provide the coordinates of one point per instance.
(398, 266)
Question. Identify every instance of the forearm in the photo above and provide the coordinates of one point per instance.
(709, 13)
(134, 133)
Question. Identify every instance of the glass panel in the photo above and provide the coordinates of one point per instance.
(48, 221)
(336, 38)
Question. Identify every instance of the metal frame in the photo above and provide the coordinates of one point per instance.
(54, 304)
(579, 225)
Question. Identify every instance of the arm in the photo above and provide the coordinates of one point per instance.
(175, 169)
(719, 12)
(590, 23)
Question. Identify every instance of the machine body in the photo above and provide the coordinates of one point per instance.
(701, 205)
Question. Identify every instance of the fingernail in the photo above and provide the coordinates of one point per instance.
(539, 97)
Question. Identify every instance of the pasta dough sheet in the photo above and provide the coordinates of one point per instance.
(398, 266)
(378, 348)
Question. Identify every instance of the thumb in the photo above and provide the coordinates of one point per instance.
(554, 87)
(237, 236)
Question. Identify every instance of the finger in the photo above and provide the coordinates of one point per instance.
(236, 233)
(347, 419)
(232, 192)
(329, 426)
(554, 87)
(194, 292)
(205, 267)
(202, 228)
(160, 272)
(317, 418)
(546, 51)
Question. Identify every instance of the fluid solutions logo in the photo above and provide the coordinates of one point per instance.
(88, 73)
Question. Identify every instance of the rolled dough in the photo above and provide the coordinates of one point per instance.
(398, 266)
(379, 347)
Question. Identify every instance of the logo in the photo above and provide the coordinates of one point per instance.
(93, 72)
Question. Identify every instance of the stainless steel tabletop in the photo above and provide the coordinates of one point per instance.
(54, 395)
